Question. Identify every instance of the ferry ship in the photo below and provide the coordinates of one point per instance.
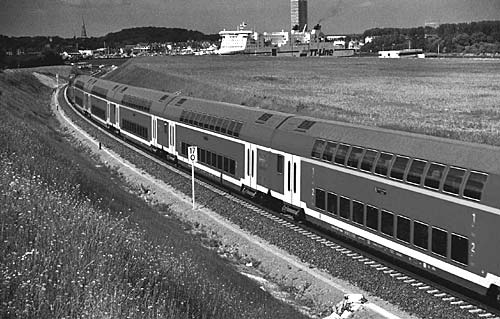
(294, 43)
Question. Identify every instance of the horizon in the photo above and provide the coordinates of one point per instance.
(63, 18)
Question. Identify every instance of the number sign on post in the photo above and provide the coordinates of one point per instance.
(193, 158)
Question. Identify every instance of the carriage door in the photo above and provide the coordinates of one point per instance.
(155, 132)
(292, 180)
(251, 166)
(112, 113)
(171, 147)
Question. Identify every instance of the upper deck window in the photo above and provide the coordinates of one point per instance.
(453, 180)
(317, 149)
(355, 157)
(368, 160)
(434, 176)
(341, 154)
(329, 151)
(416, 171)
(475, 184)
(383, 163)
(399, 167)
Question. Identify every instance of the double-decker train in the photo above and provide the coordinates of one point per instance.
(431, 202)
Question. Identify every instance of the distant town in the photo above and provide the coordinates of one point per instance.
(463, 39)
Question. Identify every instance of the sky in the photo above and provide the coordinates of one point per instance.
(64, 17)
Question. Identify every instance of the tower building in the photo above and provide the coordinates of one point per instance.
(298, 14)
(84, 30)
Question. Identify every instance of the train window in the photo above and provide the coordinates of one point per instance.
(218, 124)
(230, 128)
(439, 241)
(211, 123)
(453, 180)
(214, 160)
(280, 162)
(416, 171)
(475, 184)
(232, 167)
(420, 235)
(320, 199)
(317, 149)
(196, 119)
(372, 217)
(184, 149)
(331, 203)
(345, 207)
(184, 116)
(460, 249)
(399, 167)
(387, 225)
(434, 175)
(355, 157)
(341, 154)
(403, 229)
(329, 150)
(209, 158)
(225, 124)
(368, 160)
(202, 155)
(165, 127)
(206, 121)
(358, 212)
(237, 129)
(219, 162)
(191, 117)
(226, 164)
(383, 163)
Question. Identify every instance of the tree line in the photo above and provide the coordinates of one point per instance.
(474, 38)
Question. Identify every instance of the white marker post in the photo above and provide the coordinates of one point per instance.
(193, 158)
(57, 80)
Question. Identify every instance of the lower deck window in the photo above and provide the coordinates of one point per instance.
(135, 129)
(331, 203)
(420, 235)
(209, 158)
(387, 226)
(439, 242)
(460, 249)
(403, 229)
(372, 217)
(358, 212)
(345, 207)
(320, 198)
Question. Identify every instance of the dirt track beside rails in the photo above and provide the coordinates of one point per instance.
(309, 289)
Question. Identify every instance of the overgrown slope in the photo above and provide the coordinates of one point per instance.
(74, 243)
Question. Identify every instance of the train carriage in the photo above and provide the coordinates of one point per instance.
(429, 201)
(228, 139)
(395, 190)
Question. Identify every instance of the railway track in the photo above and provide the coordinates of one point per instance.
(463, 303)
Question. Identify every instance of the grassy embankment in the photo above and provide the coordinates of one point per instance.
(452, 98)
(74, 243)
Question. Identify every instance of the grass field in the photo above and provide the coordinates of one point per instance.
(455, 98)
(74, 243)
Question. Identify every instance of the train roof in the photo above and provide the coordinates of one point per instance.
(296, 134)
(473, 156)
